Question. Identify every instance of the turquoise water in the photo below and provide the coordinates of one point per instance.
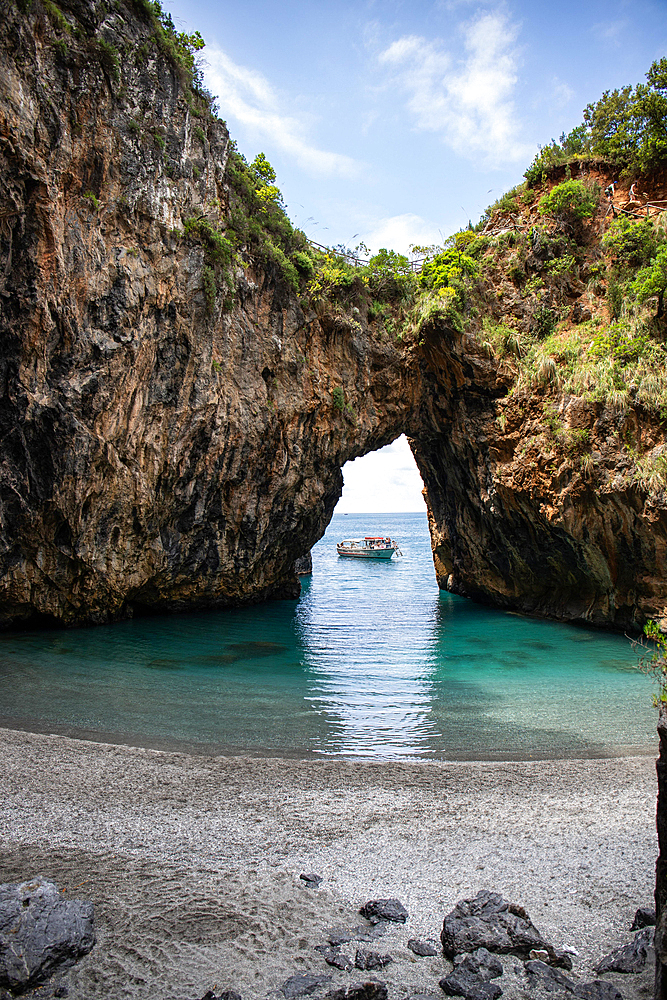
(373, 661)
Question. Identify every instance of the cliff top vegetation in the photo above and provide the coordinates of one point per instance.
(626, 128)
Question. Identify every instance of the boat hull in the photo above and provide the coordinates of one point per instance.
(366, 553)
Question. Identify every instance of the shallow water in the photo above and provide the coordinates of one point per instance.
(373, 661)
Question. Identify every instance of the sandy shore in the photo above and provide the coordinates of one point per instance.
(193, 862)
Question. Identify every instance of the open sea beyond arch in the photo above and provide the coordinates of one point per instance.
(373, 661)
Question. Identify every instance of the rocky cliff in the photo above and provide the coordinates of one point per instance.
(179, 395)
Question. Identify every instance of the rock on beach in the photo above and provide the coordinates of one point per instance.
(40, 932)
(490, 921)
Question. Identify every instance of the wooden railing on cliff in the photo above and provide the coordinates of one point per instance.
(511, 223)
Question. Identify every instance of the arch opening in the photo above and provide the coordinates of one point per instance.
(385, 481)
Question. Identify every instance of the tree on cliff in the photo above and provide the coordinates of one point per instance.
(653, 660)
(627, 127)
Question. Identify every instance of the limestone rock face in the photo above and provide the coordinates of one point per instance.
(155, 455)
(518, 523)
(163, 449)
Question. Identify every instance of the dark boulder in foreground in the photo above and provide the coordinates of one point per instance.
(479, 963)
(303, 985)
(311, 879)
(629, 957)
(40, 932)
(338, 959)
(225, 995)
(471, 987)
(369, 960)
(361, 991)
(384, 909)
(342, 935)
(424, 949)
(490, 921)
(541, 975)
(644, 917)
(472, 974)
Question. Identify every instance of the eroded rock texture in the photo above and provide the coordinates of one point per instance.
(164, 451)
(515, 522)
(153, 454)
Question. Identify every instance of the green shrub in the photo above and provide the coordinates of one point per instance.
(377, 310)
(338, 397)
(614, 296)
(108, 56)
(389, 275)
(94, 201)
(653, 658)
(651, 281)
(573, 146)
(620, 343)
(571, 199)
(561, 265)
(133, 127)
(576, 440)
(516, 270)
(218, 248)
(632, 243)
(543, 322)
(287, 268)
(440, 306)
(145, 8)
(209, 287)
(199, 134)
(303, 264)
(447, 268)
(628, 125)
(334, 277)
(57, 17)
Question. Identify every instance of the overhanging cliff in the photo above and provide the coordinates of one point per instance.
(175, 416)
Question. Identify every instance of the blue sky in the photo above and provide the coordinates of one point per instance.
(398, 122)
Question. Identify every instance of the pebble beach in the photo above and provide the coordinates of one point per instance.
(193, 862)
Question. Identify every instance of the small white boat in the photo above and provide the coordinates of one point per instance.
(370, 547)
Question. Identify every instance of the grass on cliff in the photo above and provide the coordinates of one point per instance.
(619, 355)
(258, 223)
(252, 226)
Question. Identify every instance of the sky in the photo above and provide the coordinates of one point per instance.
(386, 481)
(396, 123)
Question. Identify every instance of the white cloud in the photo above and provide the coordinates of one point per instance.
(612, 32)
(385, 481)
(400, 232)
(562, 93)
(248, 97)
(467, 99)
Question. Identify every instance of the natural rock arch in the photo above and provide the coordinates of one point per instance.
(140, 476)
(164, 451)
